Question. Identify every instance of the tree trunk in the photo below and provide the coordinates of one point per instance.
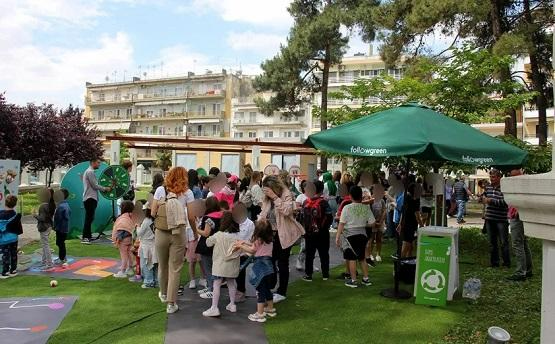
(504, 73)
(50, 178)
(537, 82)
(324, 103)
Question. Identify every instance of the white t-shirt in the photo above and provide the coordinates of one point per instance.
(356, 216)
(301, 198)
(246, 229)
(185, 199)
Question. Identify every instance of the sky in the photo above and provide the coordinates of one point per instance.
(50, 48)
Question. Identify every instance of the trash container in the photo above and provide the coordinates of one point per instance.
(437, 265)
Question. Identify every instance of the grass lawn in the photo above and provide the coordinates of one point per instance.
(318, 312)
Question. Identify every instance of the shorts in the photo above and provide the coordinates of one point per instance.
(427, 210)
(191, 256)
(409, 233)
(358, 244)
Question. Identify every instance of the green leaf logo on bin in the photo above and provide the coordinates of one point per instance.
(433, 270)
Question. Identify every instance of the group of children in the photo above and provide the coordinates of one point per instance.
(49, 217)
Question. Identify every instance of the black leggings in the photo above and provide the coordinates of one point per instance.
(61, 243)
(280, 257)
(9, 257)
(318, 242)
(242, 276)
(90, 208)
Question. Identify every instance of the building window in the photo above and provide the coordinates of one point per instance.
(216, 109)
(238, 135)
(117, 113)
(239, 116)
(100, 115)
(396, 73)
(199, 130)
(252, 134)
(128, 113)
(150, 113)
(163, 112)
(101, 97)
(202, 109)
(148, 152)
(287, 134)
(215, 129)
(154, 129)
(252, 117)
(147, 130)
(268, 134)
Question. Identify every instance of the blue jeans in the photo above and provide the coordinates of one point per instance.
(150, 276)
(206, 262)
(461, 208)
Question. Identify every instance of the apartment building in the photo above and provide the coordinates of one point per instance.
(192, 105)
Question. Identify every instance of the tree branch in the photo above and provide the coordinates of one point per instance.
(450, 46)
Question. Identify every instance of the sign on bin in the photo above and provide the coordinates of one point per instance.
(432, 276)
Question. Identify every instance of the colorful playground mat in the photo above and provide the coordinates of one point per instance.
(84, 268)
(32, 320)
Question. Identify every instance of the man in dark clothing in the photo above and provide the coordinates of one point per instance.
(318, 238)
(461, 193)
(90, 198)
(13, 228)
(496, 223)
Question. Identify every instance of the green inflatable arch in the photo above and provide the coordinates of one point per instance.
(73, 182)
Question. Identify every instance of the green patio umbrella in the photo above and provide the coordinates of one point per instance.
(416, 131)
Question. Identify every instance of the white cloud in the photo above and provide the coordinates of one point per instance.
(262, 43)
(258, 12)
(30, 72)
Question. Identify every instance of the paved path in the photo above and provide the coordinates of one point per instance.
(189, 326)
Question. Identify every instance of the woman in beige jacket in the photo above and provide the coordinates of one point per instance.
(278, 208)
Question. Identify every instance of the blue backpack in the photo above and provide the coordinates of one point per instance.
(5, 236)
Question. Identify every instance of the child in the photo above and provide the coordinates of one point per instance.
(147, 253)
(61, 226)
(351, 235)
(10, 229)
(225, 263)
(122, 237)
(192, 258)
(209, 225)
(44, 225)
(261, 246)
(246, 229)
(229, 192)
(317, 219)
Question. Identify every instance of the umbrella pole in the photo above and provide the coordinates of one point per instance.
(396, 292)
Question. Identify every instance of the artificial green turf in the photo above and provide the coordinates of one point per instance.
(318, 312)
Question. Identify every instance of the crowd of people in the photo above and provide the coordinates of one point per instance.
(220, 224)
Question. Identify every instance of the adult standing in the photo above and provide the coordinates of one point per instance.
(409, 221)
(194, 183)
(461, 193)
(521, 250)
(496, 223)
(170, 244)
(278, 208)
(246, 181)
(90, 198)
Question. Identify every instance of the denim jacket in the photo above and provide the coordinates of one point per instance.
(61, 217)
(262, 267)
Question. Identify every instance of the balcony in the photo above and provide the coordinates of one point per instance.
(274, 121)
(130, 98)
(110, 100)
(178, 115)
(205, 133)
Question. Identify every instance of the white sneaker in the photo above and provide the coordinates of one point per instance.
(278, 298)
(211, 312)
(231, 307)
(193, 284)
(120, 274)
(202, 291)
(207, 295)
(202, 282)
(257, 317)
(162, 298)
(172, 308)
(378, 258)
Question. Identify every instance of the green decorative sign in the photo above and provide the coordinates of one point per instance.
(432, 275)
(117, 178)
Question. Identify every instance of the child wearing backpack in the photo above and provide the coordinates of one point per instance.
(147, 251)
(44, 218)
(122, 237)
(317, 219)
(209, 225)
(261, 246)
(225, 263)
(10, 229)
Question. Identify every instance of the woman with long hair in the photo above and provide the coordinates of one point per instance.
(278, 209)
(170, 243)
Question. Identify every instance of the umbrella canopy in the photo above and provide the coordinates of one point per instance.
(414, 130)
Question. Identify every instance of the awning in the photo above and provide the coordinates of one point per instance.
(208, 120)
(116, 126)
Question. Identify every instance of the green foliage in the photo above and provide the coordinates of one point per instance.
(539, 157)
(164, 159)
(123, 153)
(462, 87)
